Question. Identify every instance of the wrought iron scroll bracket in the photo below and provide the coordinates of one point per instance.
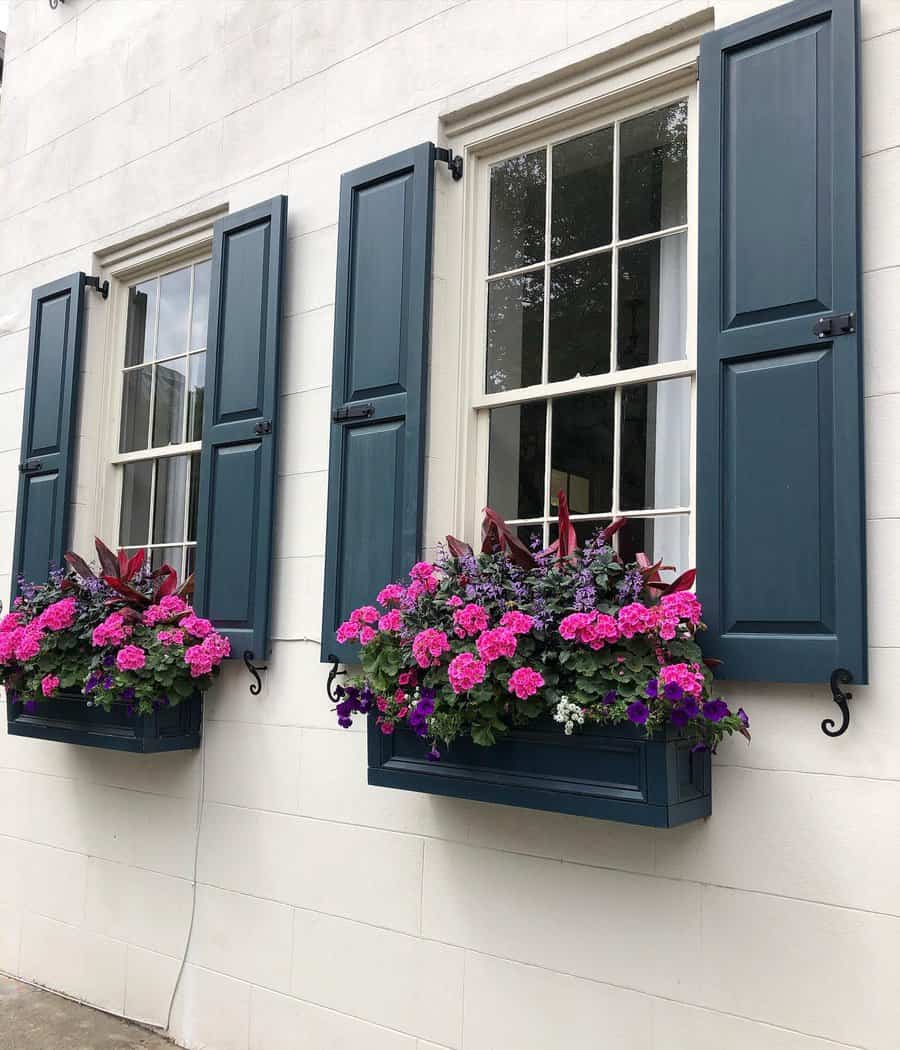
(332, 674)
(254, 669)
(839, 676)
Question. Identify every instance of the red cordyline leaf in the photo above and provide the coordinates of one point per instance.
(187, 587)
(613, 528)
(167, 583)
(567, 543)
(122, 561)
(127, 592)
(497, 535)
(80, 565)
(134, 565)
(458, 548)
(108, 561)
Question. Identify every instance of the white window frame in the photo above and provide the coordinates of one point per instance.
(570, 101)
(163, 251)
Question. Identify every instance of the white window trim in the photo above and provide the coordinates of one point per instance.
(154, 254)
(624, 82)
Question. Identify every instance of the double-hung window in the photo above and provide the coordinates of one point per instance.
(584, 336)
(162, 369)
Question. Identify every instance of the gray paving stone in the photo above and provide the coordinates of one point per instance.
(32, 1019)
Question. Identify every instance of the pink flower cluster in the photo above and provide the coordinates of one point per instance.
(470, 620)
(113, 631)
(525, 682)
(171, 637)
(49, 684)
(202, 658)
(196, 626)
(592, 628)
(491, 645)
(393, 594)
(355, 627)
(636, 618)
(674, 609)
(130, 658)
(428, 645)
(465, 672)
(58, 616)
(517, 622)
(391, 621)
(688, 676)
(168, 608)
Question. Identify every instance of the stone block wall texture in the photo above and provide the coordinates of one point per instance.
(331, 914)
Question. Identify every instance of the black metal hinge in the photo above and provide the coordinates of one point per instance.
(453, 162)
(341, 415)
(264, 426)
(99, 286)
(837, 324)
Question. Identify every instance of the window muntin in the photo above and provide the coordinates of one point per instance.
(587, 381)
(163, 379)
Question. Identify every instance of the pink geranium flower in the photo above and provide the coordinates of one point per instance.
(517, 622)
(391, 595)
(391, 621)
(465, 672)
(347, 631)
(58, 616)
(428, 645)
(493, 644)
(470, 620)
(131, 658)
(635, 619)
(365, 614)
(525, 682)
(49, 684)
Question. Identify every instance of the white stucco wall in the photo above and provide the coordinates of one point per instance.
(330, 914)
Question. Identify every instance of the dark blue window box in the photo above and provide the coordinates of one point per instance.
(70, 721)
(610, 772)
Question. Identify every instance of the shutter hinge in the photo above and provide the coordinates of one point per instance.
(30, 466)
(263, 427)
(99, 286)
(838, 324)
(453, 162)
(341, 415)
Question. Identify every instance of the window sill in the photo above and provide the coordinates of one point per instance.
(610, 772)
(70, 721)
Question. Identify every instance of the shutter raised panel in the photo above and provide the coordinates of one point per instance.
(382, 311)
(781, 513)
(48, 430)
(237, 469)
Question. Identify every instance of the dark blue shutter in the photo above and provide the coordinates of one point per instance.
(781, 511)
(382, 310)
(48, 431)
(237, 467)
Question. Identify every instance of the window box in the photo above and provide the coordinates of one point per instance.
(609, 772)
(70, 721)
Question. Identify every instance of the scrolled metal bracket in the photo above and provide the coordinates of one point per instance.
(254, 669)
(839, 676)
(329, 685)
(99, 286)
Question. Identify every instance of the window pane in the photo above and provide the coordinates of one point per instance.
(174, 303)
(515, 332)
(653, 302)
(200, 307)
(134, 526)
(531, 535)
(193, 497)
(653, 170)
(518, 207)
(135, 428)
(141, 319)
(168, 412)
(582, 448)
(580, 312)
(665, 538)
(516, 460)
(168, 508)
(582, 193)
(656, 431)
(196, 382)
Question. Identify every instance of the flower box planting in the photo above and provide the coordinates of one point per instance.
(557, 679)
(117, 659)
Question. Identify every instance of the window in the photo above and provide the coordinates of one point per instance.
(586, 376)
(163, 368)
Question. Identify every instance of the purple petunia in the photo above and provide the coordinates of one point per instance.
(715, 710)
(652, 690)
(673, 691)
(610, 697)
(433, 755)
(742, 715)
(637, 712)
(679, 717)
